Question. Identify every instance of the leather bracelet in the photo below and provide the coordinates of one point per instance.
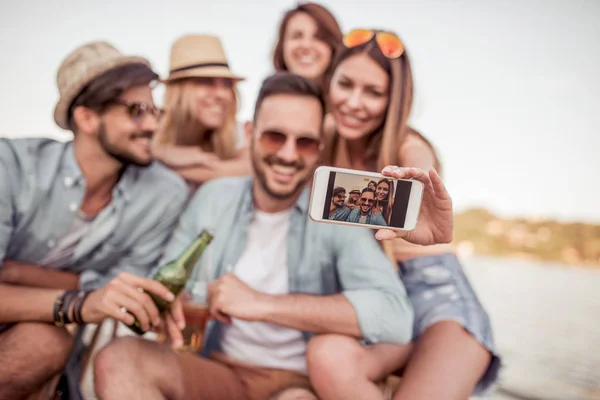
(81, 297)
(64, 309)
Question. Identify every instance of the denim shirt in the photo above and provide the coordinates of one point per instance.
(340, 213)
(41, 189)
(378, 219)
(323, 259)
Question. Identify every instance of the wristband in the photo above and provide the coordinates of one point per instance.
(81, 297)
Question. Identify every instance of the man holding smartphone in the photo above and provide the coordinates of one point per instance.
(278, 278)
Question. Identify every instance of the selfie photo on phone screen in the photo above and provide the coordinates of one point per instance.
(366, 200)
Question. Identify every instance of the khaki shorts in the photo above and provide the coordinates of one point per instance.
(220, 377)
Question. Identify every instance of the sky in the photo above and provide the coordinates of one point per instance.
(507, 90)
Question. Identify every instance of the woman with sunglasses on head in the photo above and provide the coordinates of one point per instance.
(308, 39)
(199, 136)
(451, 355)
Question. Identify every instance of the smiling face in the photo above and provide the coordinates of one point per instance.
(382, 191)
(286, 144)
(304, 52)
(127, 125)
(338, 198)
(366, 201)
(359, 96)
(213, 97)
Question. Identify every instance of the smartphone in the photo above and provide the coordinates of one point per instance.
(367, 199)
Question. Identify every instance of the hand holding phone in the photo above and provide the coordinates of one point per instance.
(436, 218)
(406, 203)
(349, 197)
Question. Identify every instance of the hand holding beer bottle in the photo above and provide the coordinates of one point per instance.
(138, 302)
(175, 274)
(125, 299)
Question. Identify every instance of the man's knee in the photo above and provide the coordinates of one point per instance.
(34, 353)
(331, 353)
(295, 393)
(131, 360)
(117, 359)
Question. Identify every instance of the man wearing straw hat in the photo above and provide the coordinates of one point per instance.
(84, 219)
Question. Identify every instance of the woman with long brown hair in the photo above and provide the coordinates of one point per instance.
(199, 136)
(383, 199)
(307, 41)
(452, 353)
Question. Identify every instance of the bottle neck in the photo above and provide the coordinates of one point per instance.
(192, 254)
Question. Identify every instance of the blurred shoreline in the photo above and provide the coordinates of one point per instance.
(574, 244)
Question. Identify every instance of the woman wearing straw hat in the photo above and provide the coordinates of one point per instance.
(198, 134)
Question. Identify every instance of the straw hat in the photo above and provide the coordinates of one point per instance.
(199, 56)
(82, 66)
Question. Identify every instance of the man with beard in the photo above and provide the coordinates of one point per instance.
(337, 210)
(363, 214)
(277, 277)
(92, 213)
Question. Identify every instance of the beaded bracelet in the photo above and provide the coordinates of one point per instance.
(56, 312)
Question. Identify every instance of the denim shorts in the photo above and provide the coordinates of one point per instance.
(440, 291)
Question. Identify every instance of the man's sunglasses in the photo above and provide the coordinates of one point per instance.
(137, 111)
(272, 141)
(390, 45)
(368, 201)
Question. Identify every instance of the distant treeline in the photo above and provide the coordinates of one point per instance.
(481, 232)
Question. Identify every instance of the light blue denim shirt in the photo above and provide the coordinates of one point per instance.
(41, 189)
(354, 216)
(323, 259)
(340, 213)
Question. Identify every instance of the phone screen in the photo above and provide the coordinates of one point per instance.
(363, 199)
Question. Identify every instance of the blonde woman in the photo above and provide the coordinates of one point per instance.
(199, 136)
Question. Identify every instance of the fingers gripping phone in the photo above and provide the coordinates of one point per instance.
(367, 199)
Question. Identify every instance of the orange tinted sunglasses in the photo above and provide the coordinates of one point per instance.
(390, 45)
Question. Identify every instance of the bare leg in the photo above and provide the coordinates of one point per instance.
(295, 393)
(339, 367)
(31, 354)
(47, 391)
(446, 364)
(131, 367)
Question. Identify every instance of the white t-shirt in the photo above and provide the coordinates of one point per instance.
(263, 267)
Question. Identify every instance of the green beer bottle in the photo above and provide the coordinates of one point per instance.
(175, 274)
